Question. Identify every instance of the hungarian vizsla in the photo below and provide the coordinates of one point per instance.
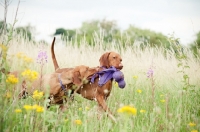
(88, 90)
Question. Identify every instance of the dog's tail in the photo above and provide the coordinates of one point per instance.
(55, 63)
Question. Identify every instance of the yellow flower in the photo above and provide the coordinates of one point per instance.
(163, 101)
(142, 111)
(37, 95)
(30, 75)
(116, 84)
(139, 91)
(78, 122)
(28, 107)
(161, 95)
(135, 77)
(39, 109)
(127, 110)
(191, 124)
(35, 106)
(27, 59)
(194, 131)
(3, 47)
(12, 79)
(66, 120)
(80, 109)
(87, 108)
(20, 55)
(18, 110)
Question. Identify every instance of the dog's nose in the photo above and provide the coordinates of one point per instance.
(120, 66)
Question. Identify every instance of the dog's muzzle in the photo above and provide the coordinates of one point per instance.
(120, 66)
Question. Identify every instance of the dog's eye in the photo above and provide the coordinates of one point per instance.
(114, 57)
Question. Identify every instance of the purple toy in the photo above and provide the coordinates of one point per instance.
(108, 74)
(119, 78)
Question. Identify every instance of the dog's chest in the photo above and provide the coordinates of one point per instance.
(106, 88)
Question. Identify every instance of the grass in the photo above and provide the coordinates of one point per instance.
(161, 102)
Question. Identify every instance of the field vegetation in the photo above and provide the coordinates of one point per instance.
(161, 94)
(162, 80)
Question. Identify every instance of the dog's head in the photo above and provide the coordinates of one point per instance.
(109, 59)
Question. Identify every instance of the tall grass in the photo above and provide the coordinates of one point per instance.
(161, 102)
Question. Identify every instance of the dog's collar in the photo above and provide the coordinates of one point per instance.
(104, 75)
(62, 86)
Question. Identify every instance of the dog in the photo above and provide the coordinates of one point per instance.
(92, 91)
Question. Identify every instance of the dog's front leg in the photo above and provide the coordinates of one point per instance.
(102, 103)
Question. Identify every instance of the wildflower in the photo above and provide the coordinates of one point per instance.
(142, 111)
(127, 110)
(42, 57)
(116, 84)
(191, 124)
(27, 59)
(78, 122)
(18, 110)
(163, 101)
(3, 47)
(30, 75)
(12, 79)
(161, 95)
(194, 131)
(28, 107)
(150, 73)
(87, 108)
(80, 109)
(35, 106)
(139, 91)
(20, 55)
(135, 77)
(37, 95)
(39, 109)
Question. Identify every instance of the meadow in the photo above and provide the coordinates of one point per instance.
(161, 94)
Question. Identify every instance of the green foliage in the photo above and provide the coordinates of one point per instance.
(108, 31)
(147, 37)
(1, 27)
(26, 31)
(61, 31)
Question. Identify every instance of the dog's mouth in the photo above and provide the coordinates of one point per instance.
(119, 67)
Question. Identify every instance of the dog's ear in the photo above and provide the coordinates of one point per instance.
(104, 62)
(76, 78)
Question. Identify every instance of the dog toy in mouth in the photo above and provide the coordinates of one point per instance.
(119, 78)
(108, 74)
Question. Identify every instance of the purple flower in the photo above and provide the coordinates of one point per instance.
(42, 57)
(150, 73)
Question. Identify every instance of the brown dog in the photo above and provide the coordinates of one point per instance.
(93, 91)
